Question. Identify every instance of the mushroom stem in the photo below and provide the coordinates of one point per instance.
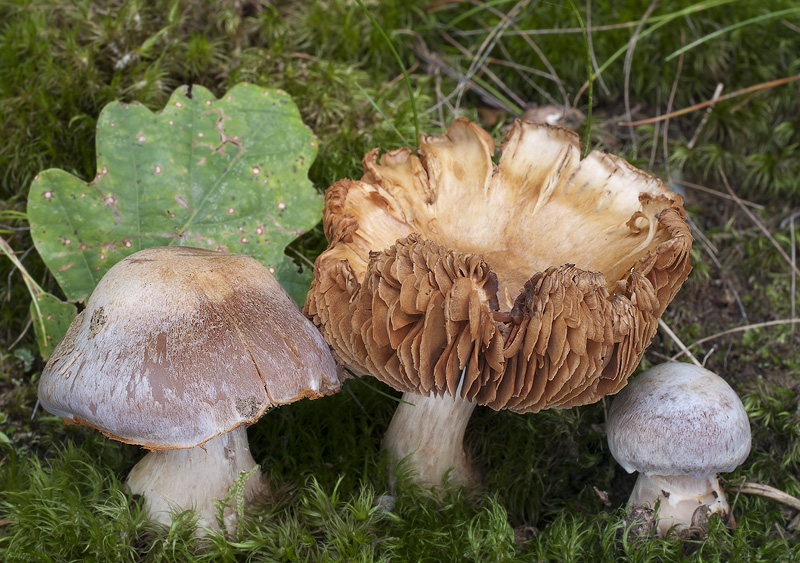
(430, 433)
(175, 480)
(680, 496)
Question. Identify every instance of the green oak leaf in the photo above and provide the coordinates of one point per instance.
(51, 319)
(228, 174)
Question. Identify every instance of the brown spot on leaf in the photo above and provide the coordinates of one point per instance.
(182, 202)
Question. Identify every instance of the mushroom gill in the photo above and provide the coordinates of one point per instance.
(532, 283)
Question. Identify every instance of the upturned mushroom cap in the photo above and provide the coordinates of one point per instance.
(678, 419)
(533, 283)
(178, 345)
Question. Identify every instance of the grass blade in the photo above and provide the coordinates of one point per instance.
(383, 115)
(587, 137)
(406, 79)
(737, 25)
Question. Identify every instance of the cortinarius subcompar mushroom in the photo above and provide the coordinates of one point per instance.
(533, 283)
(178, 350)
(678, 425)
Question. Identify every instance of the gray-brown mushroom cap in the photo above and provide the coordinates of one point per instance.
(678, 419)
(178, 345)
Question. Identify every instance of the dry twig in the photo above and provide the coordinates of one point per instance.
(681, 345)
(774, 494)
(715, 192)
(522, 69)
(690, 109)
(673, 91)
(794, 269)
(757, 222)
(693, 140)
(733, 331)
(439, 64)
(488, 45)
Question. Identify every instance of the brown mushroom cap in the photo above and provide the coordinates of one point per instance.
(533, 283)
(178, 345)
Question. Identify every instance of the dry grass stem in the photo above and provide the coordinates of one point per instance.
(488, 97)
(795, 523)
(712, 251)
(488, 45)
(400, 76)
(704, 240)
(523, 70)
(670, 102)
(746, 101)
(21, 334)
(676, 340)
(441, 101)
(794, 269)
(758, 223)
(595, 66)
(716, 193)
(436, 63)
(540, 54)
(690, 109)
(693, 140)
(300, 255)
(768, 492)
(517, 66)
(733, 331)
(656, 131)
(559, 31)
(627, 68)
(502, 85)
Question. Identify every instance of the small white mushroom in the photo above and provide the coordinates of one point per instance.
(678, 425)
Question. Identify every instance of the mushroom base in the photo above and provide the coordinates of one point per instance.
(680, 496)
(175, 480)
(429, 433)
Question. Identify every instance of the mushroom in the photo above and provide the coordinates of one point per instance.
(678, 425)
(533, 283)
(178, 350)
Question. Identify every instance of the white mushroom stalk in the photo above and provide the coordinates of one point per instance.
(679, 425)
(679, 497)
(192, 478)
(429, 433)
